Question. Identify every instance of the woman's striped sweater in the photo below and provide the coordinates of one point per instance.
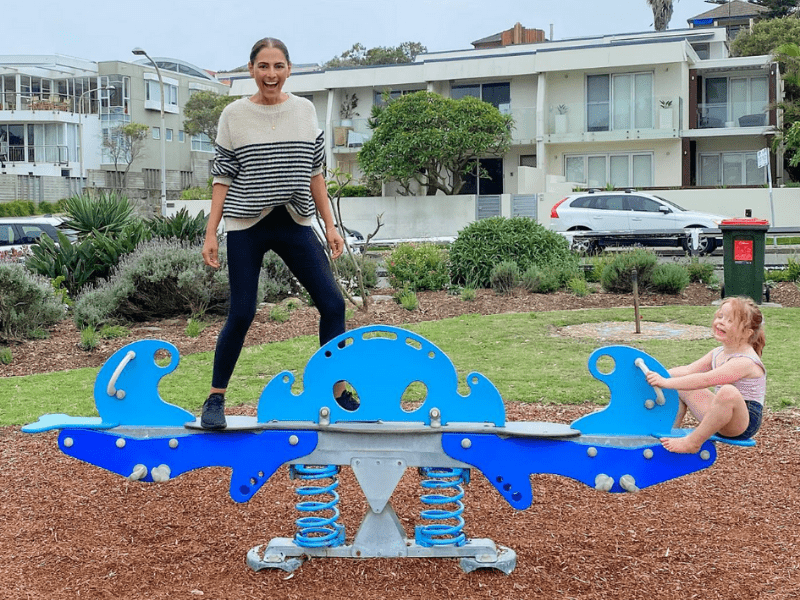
(267, 155)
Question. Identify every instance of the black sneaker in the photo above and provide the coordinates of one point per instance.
(214, 412)
(347, 402)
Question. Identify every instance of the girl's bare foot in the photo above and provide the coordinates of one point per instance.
(684, 445)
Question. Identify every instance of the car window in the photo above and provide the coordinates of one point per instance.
(30, 234)
(610, 203)
(642, 204)
(6, 235)
(583, 202)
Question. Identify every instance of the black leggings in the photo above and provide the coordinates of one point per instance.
(300, 249)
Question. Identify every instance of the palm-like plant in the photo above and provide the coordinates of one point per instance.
(662, 13)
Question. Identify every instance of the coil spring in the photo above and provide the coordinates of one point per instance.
(318, 531)
(442, 533)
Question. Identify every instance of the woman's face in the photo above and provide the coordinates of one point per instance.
(270, 71)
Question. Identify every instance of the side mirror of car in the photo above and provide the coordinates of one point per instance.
(664, 209)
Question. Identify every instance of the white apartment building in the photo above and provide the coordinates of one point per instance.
(647, 110)
(56, 110)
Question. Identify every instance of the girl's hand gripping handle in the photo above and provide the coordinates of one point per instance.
(659, 394)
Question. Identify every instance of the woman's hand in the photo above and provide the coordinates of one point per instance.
(211, 251)
(335, 241)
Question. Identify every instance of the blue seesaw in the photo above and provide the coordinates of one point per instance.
(616, 449)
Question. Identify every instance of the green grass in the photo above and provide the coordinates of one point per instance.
(517, 352)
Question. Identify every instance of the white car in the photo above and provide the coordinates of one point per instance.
(18, 234)
(624, 213)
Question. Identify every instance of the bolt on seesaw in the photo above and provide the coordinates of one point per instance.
(616, 449)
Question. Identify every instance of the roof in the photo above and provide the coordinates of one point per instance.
(735, 9)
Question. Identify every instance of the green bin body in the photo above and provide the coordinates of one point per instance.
(743, 242)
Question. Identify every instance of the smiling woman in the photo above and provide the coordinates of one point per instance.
(268, 184)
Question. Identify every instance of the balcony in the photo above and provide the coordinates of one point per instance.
(716, 115)
(524, 131)
(350, 134)
(39, 153)
(654, 118)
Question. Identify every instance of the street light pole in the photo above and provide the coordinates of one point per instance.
(140, 52)
(80, 129)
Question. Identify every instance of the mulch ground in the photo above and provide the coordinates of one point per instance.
(70, 530)
(732, 531)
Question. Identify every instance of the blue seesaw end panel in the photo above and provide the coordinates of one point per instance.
(634, 408)
(62, 421)
(508, 463)
(380, 362)
(252, 457)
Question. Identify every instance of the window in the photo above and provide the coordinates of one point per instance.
(152, 93)
(731, 168)
(623, 101)
(393, 95)
(728, 99)
(703, 50)
(169, 135)
(156, 133)
(181, 136)
(202, 143)
(620, 170)
(496, 94)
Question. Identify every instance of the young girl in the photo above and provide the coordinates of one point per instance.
(733, 409)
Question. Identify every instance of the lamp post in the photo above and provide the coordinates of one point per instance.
(80, 128)
(140, 52)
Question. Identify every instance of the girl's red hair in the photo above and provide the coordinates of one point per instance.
(747, 312)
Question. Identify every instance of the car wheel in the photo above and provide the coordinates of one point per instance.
(707, 245)
(584, 246)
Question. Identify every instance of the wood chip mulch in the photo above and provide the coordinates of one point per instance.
(70, 530)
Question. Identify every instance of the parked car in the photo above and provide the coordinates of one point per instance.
(18, 234)
(625, 213)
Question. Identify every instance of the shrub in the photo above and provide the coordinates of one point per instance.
(468, 293)
(109, 332)
(345, 269)
(618, 272)
(348, 191)
(162, 279)
(17, 208)
(702, 272)
(407, 298)
(27, 303)
(180, 226)
(108, 214)
(418, 266)
(578, 286)
(483, 244)
(504, 276)
(89, 339)
(279, 314)
(85, 262)
(537, 280)
(6, 356)
(194, 327)
(669, 278)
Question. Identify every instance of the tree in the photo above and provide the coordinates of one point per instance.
(125, 143)
(202, 111)
(426, 139)
(662, 13)
(778, 8)
(359, 56)
(766, 36)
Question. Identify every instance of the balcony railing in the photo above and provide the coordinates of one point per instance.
(524, 124)
(39, 153)
(653, 114)
(713, 115)
(34, 102)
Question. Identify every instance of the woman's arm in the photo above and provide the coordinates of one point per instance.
(319, 192)
(211, 245)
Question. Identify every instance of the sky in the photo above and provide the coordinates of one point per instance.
(218, 34)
